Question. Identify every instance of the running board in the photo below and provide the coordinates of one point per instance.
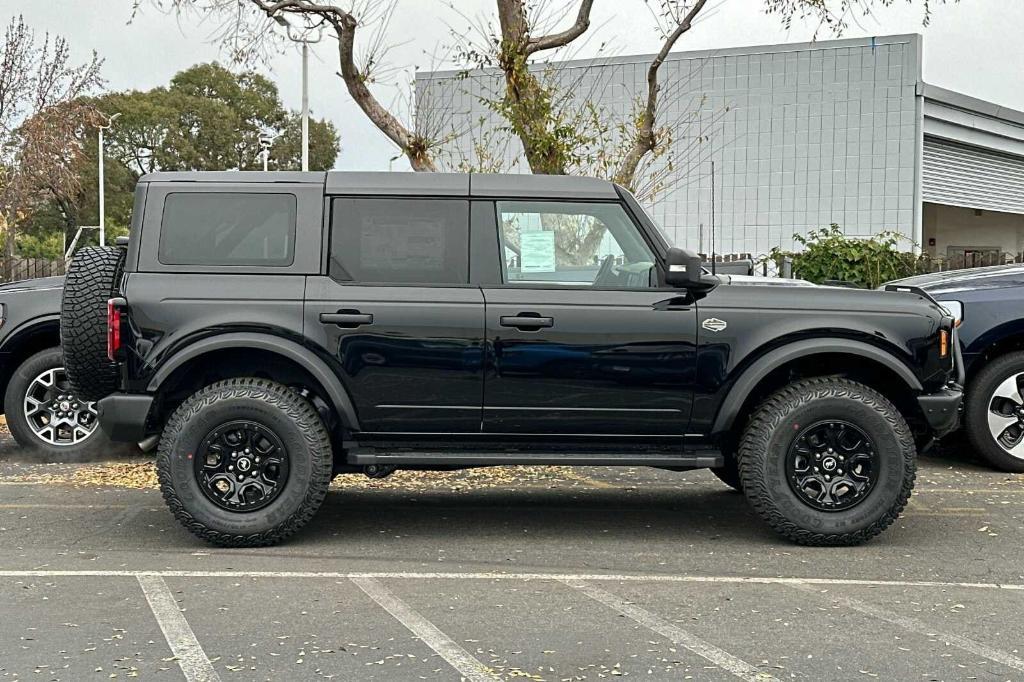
(696, 459)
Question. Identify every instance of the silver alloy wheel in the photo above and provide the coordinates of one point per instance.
(54, 414)
(1006, 416)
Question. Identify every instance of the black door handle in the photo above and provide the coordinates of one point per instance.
(349, 319)
(526, 321)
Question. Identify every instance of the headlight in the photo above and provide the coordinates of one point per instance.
(954, 308)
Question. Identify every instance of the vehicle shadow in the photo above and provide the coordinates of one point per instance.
(605, 515)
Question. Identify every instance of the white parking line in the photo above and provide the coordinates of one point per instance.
(921, 628)
(190, 655)
(468, 666)
(674, 633)
(389, 575)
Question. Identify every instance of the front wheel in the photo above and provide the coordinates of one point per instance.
(994, 415)
(244, 463)
(827, 462)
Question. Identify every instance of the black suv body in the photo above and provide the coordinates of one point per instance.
(437, 321)
(987, 304)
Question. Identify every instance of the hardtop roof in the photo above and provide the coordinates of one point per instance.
(412, 184)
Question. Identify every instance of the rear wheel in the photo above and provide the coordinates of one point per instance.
(91, 281)
(995, 412)
(244, 463)
(827, 462)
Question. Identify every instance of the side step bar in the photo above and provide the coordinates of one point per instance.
(695, 458)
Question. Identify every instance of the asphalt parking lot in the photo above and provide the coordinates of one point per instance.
(557, 574)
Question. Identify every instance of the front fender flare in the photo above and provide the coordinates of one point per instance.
(752, 376)
(299, 354)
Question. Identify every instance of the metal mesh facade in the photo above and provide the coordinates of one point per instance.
(803, 135)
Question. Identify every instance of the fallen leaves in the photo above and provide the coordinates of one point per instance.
(142, 476)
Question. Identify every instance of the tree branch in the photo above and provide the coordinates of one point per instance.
(414, 146)
(645, 140)
(563, 38)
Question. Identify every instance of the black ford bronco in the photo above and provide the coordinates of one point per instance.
(278, 329)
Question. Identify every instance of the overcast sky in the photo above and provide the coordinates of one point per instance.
(975, 47)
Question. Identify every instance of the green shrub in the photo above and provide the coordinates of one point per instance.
(828, 254)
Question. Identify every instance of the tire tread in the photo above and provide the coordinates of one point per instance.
(768, 418)
(91, 280)
(298, 410)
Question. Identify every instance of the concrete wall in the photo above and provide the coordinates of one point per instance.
(803, 135)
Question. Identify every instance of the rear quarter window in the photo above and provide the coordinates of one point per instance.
(228, 228)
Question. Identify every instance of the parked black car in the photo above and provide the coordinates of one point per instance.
(279, 328)
(989, 303)
(42, 411)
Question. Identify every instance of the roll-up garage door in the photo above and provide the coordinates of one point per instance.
(961, 175)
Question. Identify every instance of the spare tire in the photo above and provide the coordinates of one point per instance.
(92, 279)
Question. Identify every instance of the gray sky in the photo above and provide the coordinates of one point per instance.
(976, 47)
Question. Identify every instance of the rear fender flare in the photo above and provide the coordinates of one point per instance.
(307, 359)
(752, 376)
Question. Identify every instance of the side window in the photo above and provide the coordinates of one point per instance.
(400, 241)
(228, 228)
(581, 244)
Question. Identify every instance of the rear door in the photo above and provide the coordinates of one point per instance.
(398, 315)
(582, 341)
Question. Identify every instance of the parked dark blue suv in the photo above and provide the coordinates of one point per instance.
(989, 303)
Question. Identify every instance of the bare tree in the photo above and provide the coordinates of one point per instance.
(645, 138)
(557, 133)
(40, 123)
(248, 26)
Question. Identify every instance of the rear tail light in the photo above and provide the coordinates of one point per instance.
(113, 330)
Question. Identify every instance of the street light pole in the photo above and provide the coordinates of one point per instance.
(305, 105)
(306, 40)
(102, 206)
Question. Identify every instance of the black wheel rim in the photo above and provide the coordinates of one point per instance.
(832, 465)
(241, 466)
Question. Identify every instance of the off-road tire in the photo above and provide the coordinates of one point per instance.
(729, 473)
(771, 431)
(979, 393)
(291, 417)
(92, 279)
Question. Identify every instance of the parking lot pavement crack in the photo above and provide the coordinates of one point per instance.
(918, 627)
(674, 633)
(191, 658)
(469, 667)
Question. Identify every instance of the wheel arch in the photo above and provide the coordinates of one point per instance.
(25, 341)
(995, 343)
(231, 344)
(835, 356)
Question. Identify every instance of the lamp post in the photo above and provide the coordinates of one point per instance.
(110, 122)
(304, 38)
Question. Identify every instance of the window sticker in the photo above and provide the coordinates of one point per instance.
(537, 251)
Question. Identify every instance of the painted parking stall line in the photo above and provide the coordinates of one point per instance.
(916, 626)
(469, 667)
(673, 633)
(411, 575)
(192, 660)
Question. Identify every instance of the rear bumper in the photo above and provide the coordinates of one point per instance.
(123, 416)
(942, 409)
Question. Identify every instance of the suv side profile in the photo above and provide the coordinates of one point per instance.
(280, 328)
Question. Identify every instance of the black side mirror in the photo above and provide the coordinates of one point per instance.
(684, 268)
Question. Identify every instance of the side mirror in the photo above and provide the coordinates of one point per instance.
(685, 268)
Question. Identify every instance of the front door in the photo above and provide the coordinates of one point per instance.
(581, 340)
(397, 314)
